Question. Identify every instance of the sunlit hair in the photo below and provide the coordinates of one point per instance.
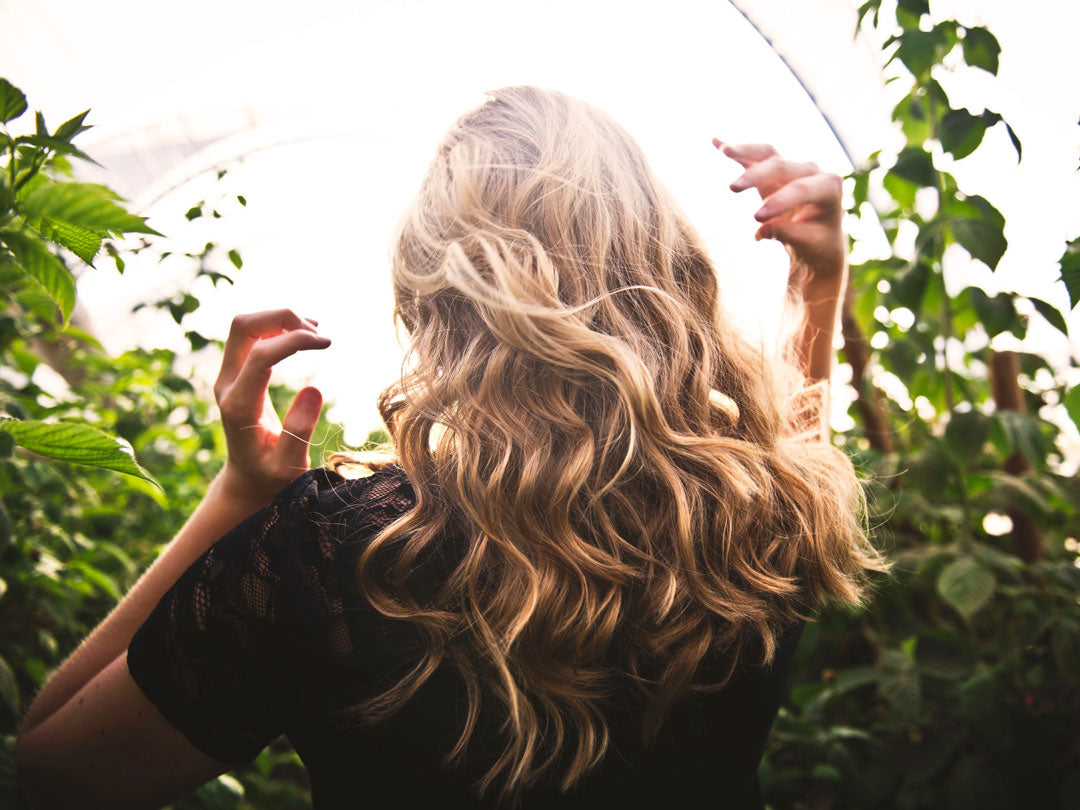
(631, 483)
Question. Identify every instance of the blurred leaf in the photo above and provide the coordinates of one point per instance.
(234, 257)
(978, 227)
(72, 127)
(12, 101)
(966, 585)
(1052, 314)
(997, 314)
(1072, 405)
(77, 444)
(981, 49)
(961, 132)
(1070, 271)
(43, 268)
(965, 436)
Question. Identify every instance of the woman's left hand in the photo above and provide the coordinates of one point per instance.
(802, 208)
(264, 454)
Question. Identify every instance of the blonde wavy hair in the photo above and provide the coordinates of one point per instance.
(636, 485)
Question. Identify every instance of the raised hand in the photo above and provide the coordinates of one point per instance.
(802, 208)
(264, 453)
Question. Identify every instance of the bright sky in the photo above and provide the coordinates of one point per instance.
(336, 113)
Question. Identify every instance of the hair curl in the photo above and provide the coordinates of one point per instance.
(636, 485)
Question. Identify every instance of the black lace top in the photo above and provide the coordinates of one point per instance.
(265, 634)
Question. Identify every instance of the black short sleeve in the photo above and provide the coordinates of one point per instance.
(213, 655)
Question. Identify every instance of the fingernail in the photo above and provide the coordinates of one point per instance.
(762, 214)
(740, 184)
(719, 144)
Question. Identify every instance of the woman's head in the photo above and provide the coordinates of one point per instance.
(623, 468)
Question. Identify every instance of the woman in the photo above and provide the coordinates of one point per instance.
(582, 582)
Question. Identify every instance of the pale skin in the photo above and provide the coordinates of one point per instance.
(92, 738)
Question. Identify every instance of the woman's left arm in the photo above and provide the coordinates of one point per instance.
(91, 705)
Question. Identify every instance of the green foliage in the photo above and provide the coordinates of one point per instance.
(957, 686)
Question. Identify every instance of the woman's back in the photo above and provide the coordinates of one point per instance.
(266, 635)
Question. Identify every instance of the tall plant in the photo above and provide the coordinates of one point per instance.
(957, 687)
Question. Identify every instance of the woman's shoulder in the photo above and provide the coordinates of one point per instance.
(330, 499)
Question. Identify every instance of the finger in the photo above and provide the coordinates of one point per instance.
(746, 154)
(244, 398)
(824, 190)
(297, 427)
(772, 174)
(246, 329)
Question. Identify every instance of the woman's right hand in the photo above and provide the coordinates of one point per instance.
(264, 453)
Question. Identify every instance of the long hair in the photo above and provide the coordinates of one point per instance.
(631, 480)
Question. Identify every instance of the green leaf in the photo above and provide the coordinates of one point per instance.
(83, 242)
(1070, 271)
(72, 127)
(240, 198)
(1024, 435)
(914, 165)
(979, 228)
(997, 314)
(234, 257)
(961, 132)
(56, 145)
(12, 101)
(981, 49)
(193, 213)
(965, 436)
(1051, 313)
(1015, 141)
(920, 50)
(77, 444)
(39, 124)
(1072, 405)
(7, 445)
(43, 268)
(83, 204)
(966, 585)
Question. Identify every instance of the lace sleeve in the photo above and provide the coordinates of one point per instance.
(214, 655)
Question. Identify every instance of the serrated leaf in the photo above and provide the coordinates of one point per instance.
(12, 101)
(83, 204)
(234, 257)
(77, 444)
(44, 269)
(981, 49)
(83, 242)
(1051, 313)
(56, 145)
(966, 586)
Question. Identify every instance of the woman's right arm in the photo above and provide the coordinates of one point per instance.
(801, 208)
